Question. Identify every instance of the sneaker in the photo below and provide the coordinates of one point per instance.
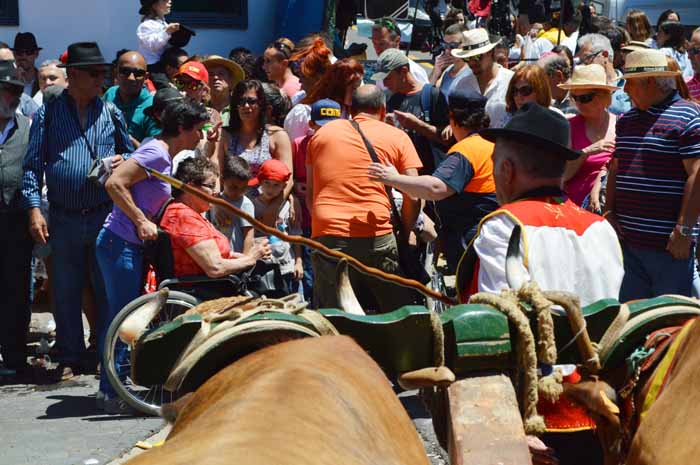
(100, 400)
(117, 406)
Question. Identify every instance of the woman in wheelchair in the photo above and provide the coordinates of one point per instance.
(198, 247)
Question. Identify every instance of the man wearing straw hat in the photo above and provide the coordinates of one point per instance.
(487, 77)
(653, 191)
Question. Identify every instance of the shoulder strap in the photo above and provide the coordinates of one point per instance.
(119, 145)
(426, 98)
(387, 189)
(74, 113)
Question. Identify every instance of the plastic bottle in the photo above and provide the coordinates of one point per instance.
(277, 246)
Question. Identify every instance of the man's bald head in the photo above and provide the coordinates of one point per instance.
(131, 74)
(368, 99)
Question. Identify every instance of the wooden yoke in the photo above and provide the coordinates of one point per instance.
(484, 426)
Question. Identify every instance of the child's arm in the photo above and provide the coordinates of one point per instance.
(298, 265)
(248, 238)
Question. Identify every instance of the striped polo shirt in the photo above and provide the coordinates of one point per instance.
(58, 151)
(650, 148)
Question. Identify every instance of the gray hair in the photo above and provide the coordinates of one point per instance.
(666, 84)
(598, 42)
(368, 99)
(55, 63)
(553, 63)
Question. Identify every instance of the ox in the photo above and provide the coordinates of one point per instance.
(318, 400)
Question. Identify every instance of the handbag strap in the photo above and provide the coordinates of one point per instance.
(117, 136)
(373, 155)
(76, 117)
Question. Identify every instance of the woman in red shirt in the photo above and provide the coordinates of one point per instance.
(198, 247)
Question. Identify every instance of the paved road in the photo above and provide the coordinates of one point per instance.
(59, 425)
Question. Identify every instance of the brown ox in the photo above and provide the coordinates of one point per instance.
(312, 401)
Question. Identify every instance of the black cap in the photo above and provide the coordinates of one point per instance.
(462, 99)
(25, 41)
(161, 100)
(9, 74)
(84, 54)
(537, 125)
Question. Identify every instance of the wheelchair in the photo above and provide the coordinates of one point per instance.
(185, 293)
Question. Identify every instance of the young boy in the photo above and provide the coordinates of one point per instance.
(235, 178)
(272, 177)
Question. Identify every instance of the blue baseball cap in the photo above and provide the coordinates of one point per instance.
(324, 111)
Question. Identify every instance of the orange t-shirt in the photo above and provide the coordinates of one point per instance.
(345, 202)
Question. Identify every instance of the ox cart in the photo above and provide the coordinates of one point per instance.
(477, 413)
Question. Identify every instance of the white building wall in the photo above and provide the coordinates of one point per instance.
(112, 24)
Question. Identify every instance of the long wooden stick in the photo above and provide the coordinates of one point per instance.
(320, 248)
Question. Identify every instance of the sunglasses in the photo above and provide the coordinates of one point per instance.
(127, 71)
(188, 85)
(451, 45)
(585, 98)
(388, 23)
(523, 90)
(250, 101)
(694, 51)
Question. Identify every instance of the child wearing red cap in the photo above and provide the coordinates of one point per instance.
(272, 178)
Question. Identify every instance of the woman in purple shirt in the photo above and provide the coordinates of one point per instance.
(137, 198)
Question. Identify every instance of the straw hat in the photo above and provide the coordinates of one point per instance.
(237, 73)
(634, 45)
(588, 77)
(475, 42)
(647, 63)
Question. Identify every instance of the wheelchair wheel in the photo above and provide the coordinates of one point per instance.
(146, 399)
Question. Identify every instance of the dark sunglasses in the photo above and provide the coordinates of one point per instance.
(187, 85)
(127, 71)
(451, 45)
(251, 101)
(694, 51)
(585, 98)
(523, 90)
(388, 23)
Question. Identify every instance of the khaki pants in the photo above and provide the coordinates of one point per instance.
(373, 293)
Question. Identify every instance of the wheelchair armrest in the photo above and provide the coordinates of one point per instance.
(206, 288)
(198, 279)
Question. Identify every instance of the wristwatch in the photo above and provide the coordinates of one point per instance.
(683, 230)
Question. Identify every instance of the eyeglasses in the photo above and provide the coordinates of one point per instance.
(127, 71)
(24, 53)
(93, 72)
(210, 186)
(250, 101)
(523, 90)
(585, 98)
(451, 45)
(587, 59)
(388, 23)
(187, 85)
(694, 51)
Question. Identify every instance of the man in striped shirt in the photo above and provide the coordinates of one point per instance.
(694, 55)
(66, 135)
(653, 187)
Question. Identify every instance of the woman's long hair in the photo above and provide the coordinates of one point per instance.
(335, 80)
(235, 119)
(638, 25)
(311, 57)
(675, 36)
(537, 78)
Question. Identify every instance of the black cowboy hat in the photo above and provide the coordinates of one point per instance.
(181, 37)
(25, 41)
(537, 125)
(84, 54)
(9, 74)
(162, 98)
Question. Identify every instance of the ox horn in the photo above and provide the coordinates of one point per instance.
(516, 274)
(136, 323)
(347, 300)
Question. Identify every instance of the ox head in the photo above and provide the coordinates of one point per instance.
(347, 300)
(137, 322)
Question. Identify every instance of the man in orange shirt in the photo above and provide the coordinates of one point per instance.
(349, 212)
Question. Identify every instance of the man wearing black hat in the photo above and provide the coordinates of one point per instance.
(67, 136)
(529, 157)
(26, 52)
(15, 242)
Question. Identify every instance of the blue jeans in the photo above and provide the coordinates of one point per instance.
(121, 265)
(72, 236)
(650, 273)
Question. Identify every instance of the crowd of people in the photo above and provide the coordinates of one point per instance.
(549, 133)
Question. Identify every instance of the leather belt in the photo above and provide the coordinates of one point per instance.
(82, 211)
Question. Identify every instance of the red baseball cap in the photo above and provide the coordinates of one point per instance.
(271, 170)
(195, 70)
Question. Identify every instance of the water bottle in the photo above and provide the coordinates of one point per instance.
(277, 246)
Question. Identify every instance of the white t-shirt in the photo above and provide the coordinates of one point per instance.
(297, 121)
(152, 39)
(495, 93)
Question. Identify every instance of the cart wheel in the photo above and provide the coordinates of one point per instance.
(116, 361)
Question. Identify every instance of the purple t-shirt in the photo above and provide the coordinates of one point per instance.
(148, 194)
